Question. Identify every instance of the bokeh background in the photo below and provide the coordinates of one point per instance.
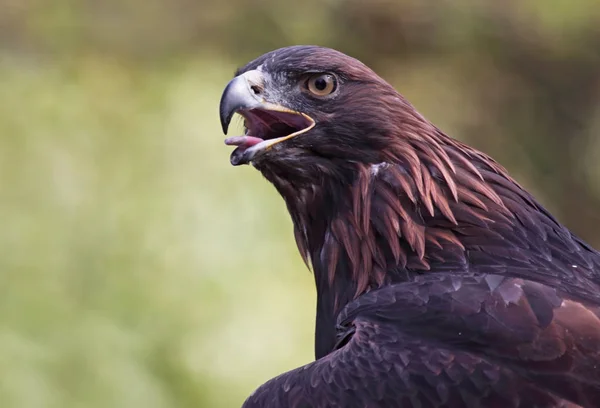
(138, 268)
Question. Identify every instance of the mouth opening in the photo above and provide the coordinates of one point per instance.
(265, 128)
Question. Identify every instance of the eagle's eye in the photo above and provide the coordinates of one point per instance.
(321, 84)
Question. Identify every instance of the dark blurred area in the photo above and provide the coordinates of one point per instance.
(111, 157)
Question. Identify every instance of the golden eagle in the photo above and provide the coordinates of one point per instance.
(440, 281)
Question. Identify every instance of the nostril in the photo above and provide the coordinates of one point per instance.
(256, 89)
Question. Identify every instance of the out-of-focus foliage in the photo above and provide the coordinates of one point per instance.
(138, 268)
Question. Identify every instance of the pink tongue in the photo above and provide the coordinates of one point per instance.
(246, 141)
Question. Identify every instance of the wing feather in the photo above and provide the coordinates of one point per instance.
(452, 341)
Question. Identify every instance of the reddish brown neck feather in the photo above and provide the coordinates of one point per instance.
(429, 204)
(413, 203)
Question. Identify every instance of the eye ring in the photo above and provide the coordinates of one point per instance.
(321, 85)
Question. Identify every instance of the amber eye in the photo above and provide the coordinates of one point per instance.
(321, 84)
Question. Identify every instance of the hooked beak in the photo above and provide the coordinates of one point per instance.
(266, 123)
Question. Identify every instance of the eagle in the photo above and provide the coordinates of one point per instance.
(440, 281)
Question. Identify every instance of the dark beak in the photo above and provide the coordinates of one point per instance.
(244, 92)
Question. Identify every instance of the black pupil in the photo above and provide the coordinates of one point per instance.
(321, 83)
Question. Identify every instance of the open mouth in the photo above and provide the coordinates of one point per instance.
(265, 128)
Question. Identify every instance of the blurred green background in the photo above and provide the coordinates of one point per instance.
(140, 269)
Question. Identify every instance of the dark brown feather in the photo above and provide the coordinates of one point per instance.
(455, 286)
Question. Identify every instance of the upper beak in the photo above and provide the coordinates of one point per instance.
(266, 123)
(243, 92)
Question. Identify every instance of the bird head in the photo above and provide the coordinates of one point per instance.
(305, 105)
